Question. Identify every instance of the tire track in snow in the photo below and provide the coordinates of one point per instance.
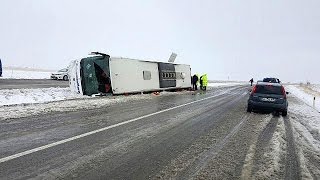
(262, 144)
(292, 170)
(266, 157)
(203, 160)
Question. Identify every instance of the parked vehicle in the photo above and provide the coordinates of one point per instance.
(62, 74)
(271, 80)
(114, 75)
(269, 97)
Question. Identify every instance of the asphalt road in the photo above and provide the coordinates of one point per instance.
(31, 83)
(189, 136)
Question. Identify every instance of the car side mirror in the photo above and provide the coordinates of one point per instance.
(287, 93)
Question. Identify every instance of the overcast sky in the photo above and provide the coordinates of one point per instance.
(235, 39)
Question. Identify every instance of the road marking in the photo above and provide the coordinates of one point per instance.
(8, 158)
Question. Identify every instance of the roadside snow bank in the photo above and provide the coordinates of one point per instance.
(305, 96)
(28, 96)
(25, 110)
(8, 73)
(306, 129)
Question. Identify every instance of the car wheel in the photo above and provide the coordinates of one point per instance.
(284, 113)
(65, 78)
(249, 109)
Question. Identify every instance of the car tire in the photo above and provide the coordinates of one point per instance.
(65, 78)
(249, 109)
(284, 113)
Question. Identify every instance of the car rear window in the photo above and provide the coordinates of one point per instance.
(269, 89)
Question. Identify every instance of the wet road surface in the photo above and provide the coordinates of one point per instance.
(188, 136)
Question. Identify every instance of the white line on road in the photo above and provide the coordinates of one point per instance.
(8, 158)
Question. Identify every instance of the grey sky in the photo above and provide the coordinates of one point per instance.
(239, 39)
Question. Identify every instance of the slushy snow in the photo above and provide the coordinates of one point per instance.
(306, 95)
(27, 96)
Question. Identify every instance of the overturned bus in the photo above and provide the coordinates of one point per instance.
(104, 74)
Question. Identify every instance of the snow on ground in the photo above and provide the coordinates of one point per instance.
(18, 103)
(315, 87)
(273, 157)
(306, 129)
(27, 96)
(25, 73)
(25, 110)
(306, 94)
(305, 121)
(44, 95)
(225, 84)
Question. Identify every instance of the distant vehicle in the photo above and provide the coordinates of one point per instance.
(269, 97)
(62, 74)
(271, 80)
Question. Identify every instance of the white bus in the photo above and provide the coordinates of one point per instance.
(104, 74)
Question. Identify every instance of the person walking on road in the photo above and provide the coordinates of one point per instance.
(251, 81)
(194, 82)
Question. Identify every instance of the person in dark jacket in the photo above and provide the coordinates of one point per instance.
(201, 83)
(194, 82)
(251, 81)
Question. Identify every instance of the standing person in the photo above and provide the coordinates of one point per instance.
(0, 68)
(198, 81)
(204, 82)
(251, 81)
(194, 82)
(201, 82)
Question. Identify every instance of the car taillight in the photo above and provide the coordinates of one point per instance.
(254, 90)
(283, 92)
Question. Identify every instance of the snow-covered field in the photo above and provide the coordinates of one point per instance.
(30, 96)
(315, 87)
(306, 94)
(25, 73)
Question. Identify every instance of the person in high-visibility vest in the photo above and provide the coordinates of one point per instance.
(204, 81)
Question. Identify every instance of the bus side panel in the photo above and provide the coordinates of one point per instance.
(167, 74)
(183, 76)
(128, 75)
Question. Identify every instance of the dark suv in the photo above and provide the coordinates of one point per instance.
(269, 97)
(271, 80)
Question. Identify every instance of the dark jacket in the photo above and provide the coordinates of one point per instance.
(194, 79)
